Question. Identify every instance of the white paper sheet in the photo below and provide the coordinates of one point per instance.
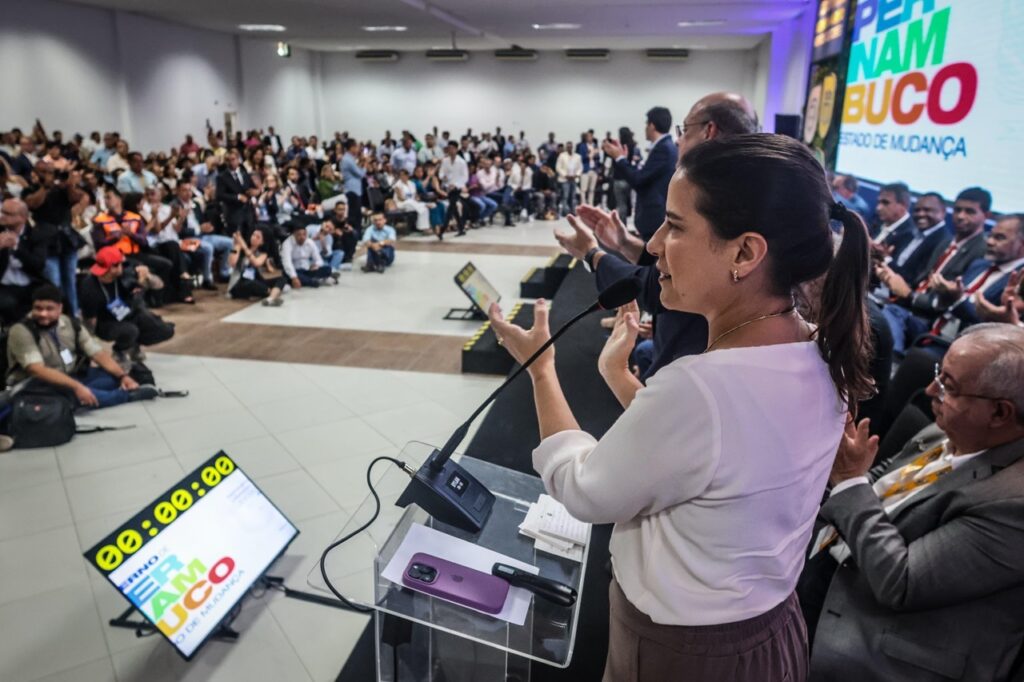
(444, 546)
(556, 520)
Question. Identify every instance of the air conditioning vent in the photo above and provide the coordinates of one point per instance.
(448, 55)
(667, 54)
(377, 55)
(516, 55)
(599, 54)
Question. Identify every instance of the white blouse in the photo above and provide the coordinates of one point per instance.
(713, 477)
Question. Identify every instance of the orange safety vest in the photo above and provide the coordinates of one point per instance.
(129, 224)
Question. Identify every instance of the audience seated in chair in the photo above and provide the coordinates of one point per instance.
(913, 305)
(919, 572)
(22, 260)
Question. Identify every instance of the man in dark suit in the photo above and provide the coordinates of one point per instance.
(234, 190)
(896, 229)
(22, 259)
(929, 218)
(986, 277)
(927, 550)
(273, 141)
(651, 180)
(914, 306)
(600, 239)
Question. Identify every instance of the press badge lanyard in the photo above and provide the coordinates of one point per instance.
(65, 354)
(116, 307)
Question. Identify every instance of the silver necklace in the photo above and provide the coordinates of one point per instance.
(744, 324)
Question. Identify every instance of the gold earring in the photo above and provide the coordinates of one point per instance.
(735, 276)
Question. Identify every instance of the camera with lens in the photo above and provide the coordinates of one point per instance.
(423, 573)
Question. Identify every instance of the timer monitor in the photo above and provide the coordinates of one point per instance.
(188, 558)
(476, 287)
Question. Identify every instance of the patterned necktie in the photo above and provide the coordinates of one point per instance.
(909, 478)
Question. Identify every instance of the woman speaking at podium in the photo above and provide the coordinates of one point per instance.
(714, 473)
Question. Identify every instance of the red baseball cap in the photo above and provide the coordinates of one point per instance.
(106, 258)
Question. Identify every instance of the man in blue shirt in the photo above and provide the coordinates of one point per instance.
(353, 170)
(136, 179)
(380, 244)
(844, 189)
(103, 154)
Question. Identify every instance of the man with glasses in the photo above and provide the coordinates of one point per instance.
(600, 239)
(932, 537)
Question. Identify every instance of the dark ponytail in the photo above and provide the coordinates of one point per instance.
(773, 185)
(843, 336)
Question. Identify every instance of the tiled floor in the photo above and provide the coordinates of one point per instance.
(361, 369)
(300, 431)
(412, 297)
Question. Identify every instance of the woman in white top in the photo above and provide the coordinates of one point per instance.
(407, 199)
(714, 473)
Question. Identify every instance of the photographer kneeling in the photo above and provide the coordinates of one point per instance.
(51, 350)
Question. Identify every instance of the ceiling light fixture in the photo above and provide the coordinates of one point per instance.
(556, 27)
(275, 28)
(377, 29)
(700, 22)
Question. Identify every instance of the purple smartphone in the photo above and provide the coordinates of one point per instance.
(456, 583)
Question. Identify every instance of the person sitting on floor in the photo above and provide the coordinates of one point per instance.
(302, 262)
(253, 273)
(380, 244)
(52, 349)
(112, 304)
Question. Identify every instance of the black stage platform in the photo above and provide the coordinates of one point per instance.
(508, 436)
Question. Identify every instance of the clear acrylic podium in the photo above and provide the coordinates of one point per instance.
(423, 639)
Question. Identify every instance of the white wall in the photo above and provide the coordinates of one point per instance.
(60, 64)
(176, 78)
(550, 94)
(284, 93)
(81, 69)
(784, 60)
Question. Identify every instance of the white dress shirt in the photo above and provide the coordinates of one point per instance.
(488, 179)
(918, 239)
(569, 166)
(890, 228)
(15, 274)
(295, 256)
(454, 173)
(403, 158)
(712, 476)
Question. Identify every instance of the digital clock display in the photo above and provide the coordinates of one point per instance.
(187, 558)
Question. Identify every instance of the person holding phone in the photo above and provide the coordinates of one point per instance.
(714, 473)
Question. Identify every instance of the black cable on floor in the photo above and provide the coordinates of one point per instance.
(376, 512)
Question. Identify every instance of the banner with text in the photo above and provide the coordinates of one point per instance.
(935, 96)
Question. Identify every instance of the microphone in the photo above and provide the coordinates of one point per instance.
(448, 492)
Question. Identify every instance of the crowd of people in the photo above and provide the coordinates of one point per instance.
(122, 232)
(872, 358)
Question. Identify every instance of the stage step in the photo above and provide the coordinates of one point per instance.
(482, 354)
(544, 282)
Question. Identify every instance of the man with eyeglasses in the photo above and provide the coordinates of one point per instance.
(931, 537)
(601, 241)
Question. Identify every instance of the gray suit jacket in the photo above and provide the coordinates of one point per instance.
(937, 591)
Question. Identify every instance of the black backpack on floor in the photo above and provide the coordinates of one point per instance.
(42, 419)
